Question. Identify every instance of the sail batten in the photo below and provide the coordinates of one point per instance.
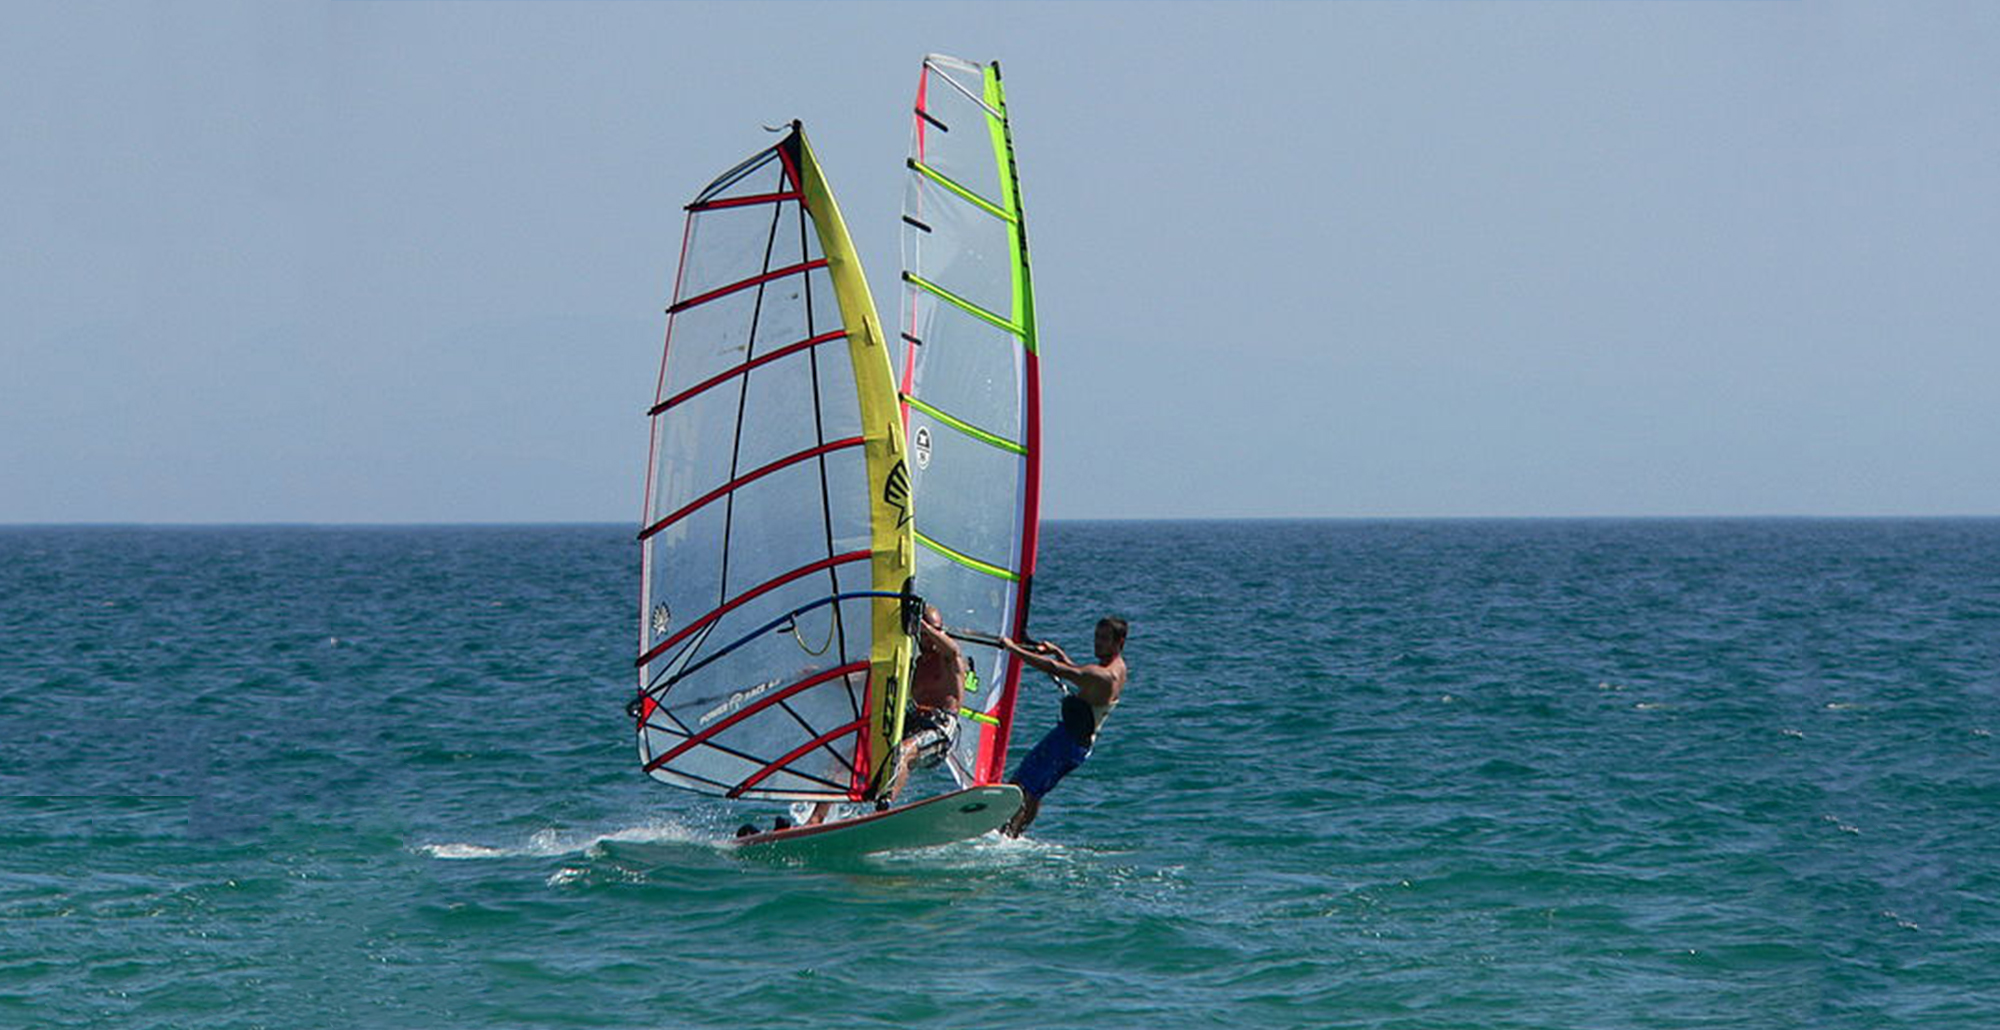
(728, 374)
(758, 198)
(752, 594)
(703, 736)
(854, 728)
(747, 478)
(788, 621)
(945, 65)
(982, 435)
(998, 321)
(967, 560)
(744, 284)
(964, 192)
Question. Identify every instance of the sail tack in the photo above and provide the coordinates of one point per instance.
(970, 384)
(777, 544)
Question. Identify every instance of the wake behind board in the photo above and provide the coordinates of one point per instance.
(956, 816)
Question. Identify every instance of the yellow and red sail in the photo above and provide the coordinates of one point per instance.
(777, 543)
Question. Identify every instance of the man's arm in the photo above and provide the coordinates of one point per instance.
(943, 642)
(1093, 682)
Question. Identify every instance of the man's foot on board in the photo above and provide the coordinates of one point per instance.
(780, 823)
(746, 830)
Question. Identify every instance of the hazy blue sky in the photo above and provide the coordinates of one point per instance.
(406, 262)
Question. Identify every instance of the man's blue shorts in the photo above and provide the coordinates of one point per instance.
(1054, 758)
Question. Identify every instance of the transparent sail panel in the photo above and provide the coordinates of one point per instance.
(960, 246)
(980, 380)
(720, 334)
(758, 596)
(968, 597)
(729, 245)
(962, 492)
(956, 138)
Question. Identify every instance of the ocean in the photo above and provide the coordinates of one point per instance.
(1401, 774)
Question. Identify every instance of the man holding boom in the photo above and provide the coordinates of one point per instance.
(1084, 710)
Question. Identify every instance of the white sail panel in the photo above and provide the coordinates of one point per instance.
(983, 373)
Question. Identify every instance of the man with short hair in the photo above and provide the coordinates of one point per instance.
(1067, 744)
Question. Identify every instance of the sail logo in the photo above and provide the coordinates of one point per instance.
(920, 445)
(896, 491)
(886, 714)
(662, 618)
(735, 702)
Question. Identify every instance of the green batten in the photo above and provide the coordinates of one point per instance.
(966, 427)
(967, 560)
(970, 197)
(964, 305)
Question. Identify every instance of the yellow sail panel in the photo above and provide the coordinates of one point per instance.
(875, 382)
(775, 548)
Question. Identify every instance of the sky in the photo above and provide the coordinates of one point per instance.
(406, 262)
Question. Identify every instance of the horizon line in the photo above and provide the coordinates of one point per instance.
(581, 523)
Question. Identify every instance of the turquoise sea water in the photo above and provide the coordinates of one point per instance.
(1389, 775)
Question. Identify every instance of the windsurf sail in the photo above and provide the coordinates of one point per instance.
(970, 386)
(776, 548)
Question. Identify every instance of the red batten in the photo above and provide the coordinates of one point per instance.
(755, 280)
(749, 710)
(760, 198)
(751, 476)
(748, 595)
(820, 741)
(761, 359)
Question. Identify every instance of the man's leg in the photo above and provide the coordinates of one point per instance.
(1030, 805)
(904, 753)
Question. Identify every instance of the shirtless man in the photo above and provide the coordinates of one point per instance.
(937, 689)
(930, 724)
(1083, 713)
